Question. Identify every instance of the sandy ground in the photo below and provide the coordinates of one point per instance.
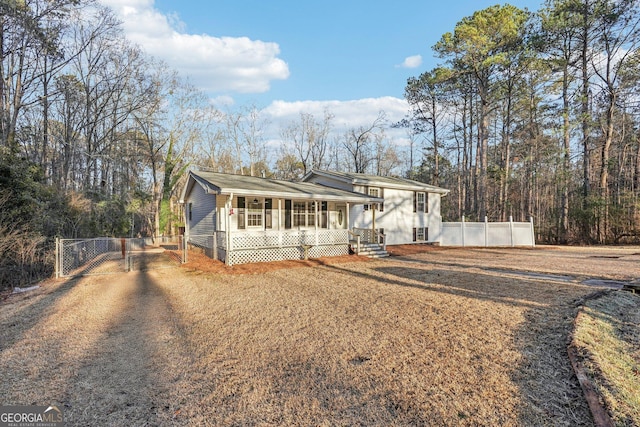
(444, 337)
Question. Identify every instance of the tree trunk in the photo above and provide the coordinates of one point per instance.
(566, 159)
(604, 169)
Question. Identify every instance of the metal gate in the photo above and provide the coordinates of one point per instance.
(105, 255)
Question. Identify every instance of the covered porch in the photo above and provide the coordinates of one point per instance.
(262, 220)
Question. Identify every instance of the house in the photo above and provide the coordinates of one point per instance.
(409, 211)
(240, 219)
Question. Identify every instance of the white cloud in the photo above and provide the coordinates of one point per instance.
(348, 114)
(222, 101)
(411, 62)
(216, 64)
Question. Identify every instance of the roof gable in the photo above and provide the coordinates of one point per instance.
(378, 181)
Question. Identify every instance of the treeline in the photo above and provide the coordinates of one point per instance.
(528, 114)
(537, 115)
(94, 134)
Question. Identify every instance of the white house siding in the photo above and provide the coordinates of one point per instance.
(201, 218)
(398, 219)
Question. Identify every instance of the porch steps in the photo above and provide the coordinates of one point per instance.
(371, 250)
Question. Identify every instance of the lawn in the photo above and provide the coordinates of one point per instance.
(437, 338)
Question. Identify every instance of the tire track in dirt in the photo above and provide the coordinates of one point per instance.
(132, 373)
(107, 349)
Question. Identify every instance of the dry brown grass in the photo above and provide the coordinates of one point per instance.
(622, 263)
(439, 340)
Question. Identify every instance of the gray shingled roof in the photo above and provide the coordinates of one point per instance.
(379, 181)
(242, 185)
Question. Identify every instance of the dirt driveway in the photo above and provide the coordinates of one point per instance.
(440, 338)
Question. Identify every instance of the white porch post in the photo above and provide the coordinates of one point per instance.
(228, 207)
(348, 219)
(373, 222)
(279, 223)
(315, 216)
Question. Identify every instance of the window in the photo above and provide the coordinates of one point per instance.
(190, 211)
(299, 214)
(420, 202)
(254, 214)
(304, 214)
(421, 234)
(375, 192)
(311, 214)
(241, 208)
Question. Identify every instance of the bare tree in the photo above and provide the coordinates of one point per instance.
(309, 140)
(359, 143)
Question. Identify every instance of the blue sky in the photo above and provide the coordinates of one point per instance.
(352, 57)
(335, 50)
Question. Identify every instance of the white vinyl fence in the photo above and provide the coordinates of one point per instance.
(488, 233)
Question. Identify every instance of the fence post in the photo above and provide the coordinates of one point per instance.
(533, 234)
(486, 231)
(462, 230)
(127, 255)
(511, 229)
(57, 257)
(185, 239)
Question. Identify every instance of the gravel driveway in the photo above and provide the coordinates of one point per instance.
(438, 338)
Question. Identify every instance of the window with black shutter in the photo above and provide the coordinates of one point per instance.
(287, 214)
(241, 208)
(268, 208)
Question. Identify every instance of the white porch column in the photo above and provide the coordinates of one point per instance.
(348, 216)
(228, 207)
(373, 219)
(315, 216)
(279, 223)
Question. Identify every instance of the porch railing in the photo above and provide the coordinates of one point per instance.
(270, 245)
(287, 238)
(368, 235)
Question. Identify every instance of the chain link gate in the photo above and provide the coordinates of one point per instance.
(106, 255)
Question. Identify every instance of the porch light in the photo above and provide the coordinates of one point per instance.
(255, 200)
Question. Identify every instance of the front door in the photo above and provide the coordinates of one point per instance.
(341, 216)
